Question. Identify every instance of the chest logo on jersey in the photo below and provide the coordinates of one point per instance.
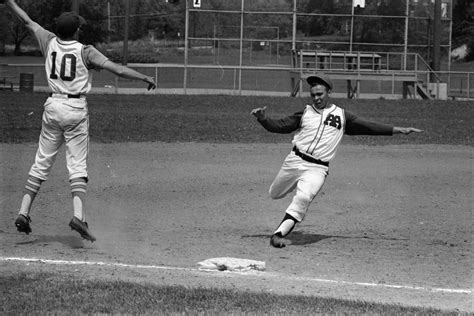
(334, 121)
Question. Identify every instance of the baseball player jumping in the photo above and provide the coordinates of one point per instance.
(319, 129)
(68, 66)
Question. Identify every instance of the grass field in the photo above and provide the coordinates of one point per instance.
(206, 119)
(176, 118)
(76, 296)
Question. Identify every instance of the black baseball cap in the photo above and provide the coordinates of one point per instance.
(68, 23)
(319, 79)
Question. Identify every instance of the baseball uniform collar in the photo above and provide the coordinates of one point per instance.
(324, 109)
(65, 42)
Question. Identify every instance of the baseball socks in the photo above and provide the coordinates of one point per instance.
(32, 187)
(285, 227)
(23, 220)
(78, 191)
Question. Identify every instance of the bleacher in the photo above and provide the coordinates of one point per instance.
(355, 68)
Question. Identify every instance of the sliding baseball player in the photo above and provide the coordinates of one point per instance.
(318, 129)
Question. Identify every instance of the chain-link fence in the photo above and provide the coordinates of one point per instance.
(259, 34)
(264, 47)
(248, 34)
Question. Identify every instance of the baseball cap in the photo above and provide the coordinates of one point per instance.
(68, 23)
(321, 79)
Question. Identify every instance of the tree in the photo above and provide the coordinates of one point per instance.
(170, 19)
(463, 27)
(40, 11)
(318, 25)
(44, 12)
(93, 12)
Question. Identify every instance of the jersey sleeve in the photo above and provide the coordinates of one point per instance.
(43, 37)
(358, 126)
(93, 58)
(283, 125)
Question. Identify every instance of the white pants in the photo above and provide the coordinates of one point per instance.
(308, 179)
(64, 121)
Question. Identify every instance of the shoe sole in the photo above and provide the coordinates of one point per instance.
(81, 232)
(22, 229)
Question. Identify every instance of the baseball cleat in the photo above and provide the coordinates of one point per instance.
(22, 224)
(277, 242)
(82, 228)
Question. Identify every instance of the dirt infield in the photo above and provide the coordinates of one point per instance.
(388, 216)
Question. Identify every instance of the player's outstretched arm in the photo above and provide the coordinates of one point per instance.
(128, 73)
(22, 15)
(406, 130)
(259, 112)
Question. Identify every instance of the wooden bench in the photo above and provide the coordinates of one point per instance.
(6, 83)
(337, 60)
(298, 80)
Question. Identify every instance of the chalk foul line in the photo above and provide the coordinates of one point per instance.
(139, 266)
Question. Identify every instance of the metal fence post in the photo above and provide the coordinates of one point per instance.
(241, 44)
(186, 47)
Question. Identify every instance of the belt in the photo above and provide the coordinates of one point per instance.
(309, 158)
(65, 96)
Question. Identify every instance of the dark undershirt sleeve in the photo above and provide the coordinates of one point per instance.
(283, 125)
(358, 126)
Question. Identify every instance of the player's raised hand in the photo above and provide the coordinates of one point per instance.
(259, 112)
(406, 130)
(151, 83)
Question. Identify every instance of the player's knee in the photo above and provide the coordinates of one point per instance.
(275, 194)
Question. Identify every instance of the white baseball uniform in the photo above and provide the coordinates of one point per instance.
(318, 135)
(65, 116)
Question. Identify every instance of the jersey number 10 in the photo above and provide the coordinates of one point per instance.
(68, 61)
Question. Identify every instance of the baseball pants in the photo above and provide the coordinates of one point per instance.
(306, 177)
(65, 121)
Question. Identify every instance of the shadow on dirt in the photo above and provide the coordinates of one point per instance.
(297, 238)
(300, 238)
(70, 241)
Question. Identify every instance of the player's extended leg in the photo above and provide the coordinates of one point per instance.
(309, 185)
(285, 182)
(77, 147)
(50, 141)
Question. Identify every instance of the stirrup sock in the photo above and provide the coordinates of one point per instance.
(32, 188)
(286, 226)
(78, 191)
